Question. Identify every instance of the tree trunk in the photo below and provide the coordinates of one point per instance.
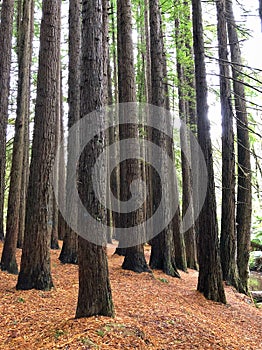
(6, 29)
(183, 94)
(114, 49)
(68, 253)
(244, 196)
(94, 297)
(55, 210)
(25, 171)
(62, 165)
(228, 228)
(129, 169)
(162, 251)
(210, 275)
(35, 262)
(148, 57)
(8, 261)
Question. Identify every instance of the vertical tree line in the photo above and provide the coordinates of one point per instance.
(103, 68)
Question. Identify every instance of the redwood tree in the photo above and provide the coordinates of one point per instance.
(210, 274)
(228, 226)
(94, 297)
(70, 242)
(35, 262)
(162, 251)
(6, 28)
(8, 261)
(129, 169)
(244, 195)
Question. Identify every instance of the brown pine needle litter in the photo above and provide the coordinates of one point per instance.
(153, 311)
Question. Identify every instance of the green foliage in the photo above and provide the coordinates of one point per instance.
(100, 332)
(256, 234)
(58, 333)
(163, 280)
(88, 342)
(20, 300)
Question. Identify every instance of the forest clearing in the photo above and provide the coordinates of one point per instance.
(153, 311)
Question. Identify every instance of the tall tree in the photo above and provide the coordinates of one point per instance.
(228, 226)
(183, 56)
(162, 251)
(244, 196)
(8, 261)
(94, 297)
(35, 261)
(53, 204)
(130, 169)
(6, 27)
(70, 242)
(26, 147)
(210, 274)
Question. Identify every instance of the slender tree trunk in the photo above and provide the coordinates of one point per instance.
(94, 297)
(62, 166)
(130, 168)
(35, 261)
(244, 196)
(6, 28)
(228, 228)
(162, 251)
(210, 274)
(114, 49)
(185, 74)
(55, 210)
(148, 57)
(25, 171)
(8, 261)
(187, 206)
(70, 243)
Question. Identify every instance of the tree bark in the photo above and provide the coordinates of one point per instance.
(6, 28)
(228, 227)
(8, 261)
(68, 253)
(55, 210)
(94, 297)
(26, 150)
(244, 195)
(130, 168)
(35, 262)
(162, 246)
(210, 275)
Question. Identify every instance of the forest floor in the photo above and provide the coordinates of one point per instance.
(153, 311)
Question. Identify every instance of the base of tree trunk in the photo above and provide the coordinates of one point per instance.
(68, 257)
(120, 251)
(193, 265)
(10, 267)
(19, 245)
(37, 280)
(168, 268)
(135, 261)
(54, 245)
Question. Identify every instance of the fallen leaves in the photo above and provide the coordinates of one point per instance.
(153, 311)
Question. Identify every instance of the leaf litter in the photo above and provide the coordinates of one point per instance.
(153, 311)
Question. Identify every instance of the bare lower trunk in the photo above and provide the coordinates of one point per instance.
(244, 195)
(210, 275)
(35, 262)
(6, 27)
